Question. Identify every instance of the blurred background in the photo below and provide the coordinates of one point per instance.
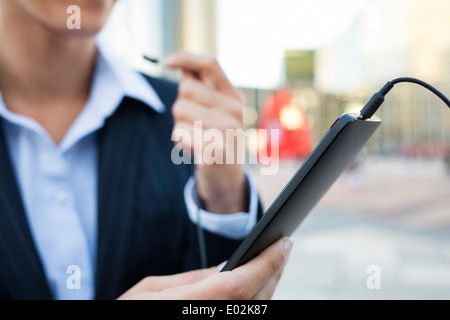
(301, 64)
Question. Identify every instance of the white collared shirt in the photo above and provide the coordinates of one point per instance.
(58, 183)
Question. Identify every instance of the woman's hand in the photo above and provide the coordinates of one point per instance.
(206, 96)
(255, 280)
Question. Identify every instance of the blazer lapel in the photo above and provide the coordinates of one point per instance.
(20, 266)
(120, 142)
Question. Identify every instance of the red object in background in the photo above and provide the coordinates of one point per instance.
(285, 113)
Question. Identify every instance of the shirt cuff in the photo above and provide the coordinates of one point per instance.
(233, 226)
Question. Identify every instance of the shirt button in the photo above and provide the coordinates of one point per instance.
(62, 198)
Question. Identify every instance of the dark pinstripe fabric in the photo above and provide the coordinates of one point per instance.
(21, 272)
(143, 225)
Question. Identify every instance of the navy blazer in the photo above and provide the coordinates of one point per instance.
(143, 226)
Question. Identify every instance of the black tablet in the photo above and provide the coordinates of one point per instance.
(333, 154)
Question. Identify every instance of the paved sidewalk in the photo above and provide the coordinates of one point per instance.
(393, 214)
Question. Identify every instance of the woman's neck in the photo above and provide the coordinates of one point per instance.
(37, 63)
(43, 74)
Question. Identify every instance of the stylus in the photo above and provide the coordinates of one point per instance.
(154, 60)
(151, 59)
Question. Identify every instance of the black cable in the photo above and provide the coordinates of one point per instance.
(200, 232)
(201, 242)
(378, 98)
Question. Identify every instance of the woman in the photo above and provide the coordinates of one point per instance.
(90, 202)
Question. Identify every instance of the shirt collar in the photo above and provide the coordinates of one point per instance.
(133, 84)
(112, 82)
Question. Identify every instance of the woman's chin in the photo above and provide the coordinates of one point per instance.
(68, 17)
